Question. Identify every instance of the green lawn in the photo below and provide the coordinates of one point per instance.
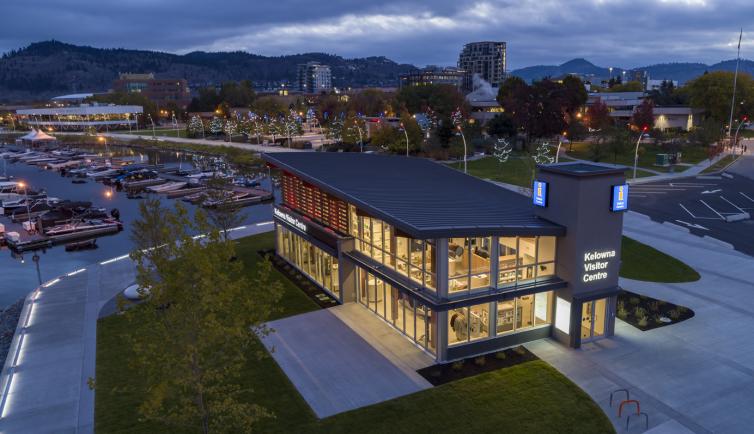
(159, 132)
(689, 154)
(531, 397)
(721, 164)
(642, 262)
(517, 170)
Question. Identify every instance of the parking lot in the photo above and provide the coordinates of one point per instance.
(719, 206)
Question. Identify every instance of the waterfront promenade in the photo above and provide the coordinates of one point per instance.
(44, 386)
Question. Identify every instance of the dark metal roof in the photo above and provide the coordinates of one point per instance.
(582, 169)
(418, 196)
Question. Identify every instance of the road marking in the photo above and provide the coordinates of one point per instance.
(637, 195)
(713, 209)
(690, 184)
(697, 226)
(712, 191)
(686, 209)
(652, 192)
(734, 205)
(744, 195)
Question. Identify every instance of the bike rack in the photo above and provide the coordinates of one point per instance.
(646, 420)
(629, 401)
(628, 396)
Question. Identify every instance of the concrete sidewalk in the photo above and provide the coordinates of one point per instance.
(335, 368)
(699, 374)
(44, 384)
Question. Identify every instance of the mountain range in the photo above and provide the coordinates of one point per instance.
(49, 68)
(682, 72)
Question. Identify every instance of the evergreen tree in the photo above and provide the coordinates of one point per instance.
(216, 126)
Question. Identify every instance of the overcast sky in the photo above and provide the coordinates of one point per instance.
(622, 33)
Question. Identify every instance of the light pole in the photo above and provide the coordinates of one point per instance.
(465, 152)
(744, 119)
(636, 151)
(26, 199)
(406, 134)
(735, 82)
(154, 135)
(560, 142)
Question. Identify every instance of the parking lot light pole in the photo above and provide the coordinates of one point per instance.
(744, 120)
(636, 151)
(560, 142)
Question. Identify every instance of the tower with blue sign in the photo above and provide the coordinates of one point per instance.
(588, 199)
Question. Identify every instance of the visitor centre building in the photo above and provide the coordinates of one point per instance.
(458, 265)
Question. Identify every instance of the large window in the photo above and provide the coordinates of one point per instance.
(468, 264)
(412, 258)
(399, 309)
(314, 262)
(467, 324)
(525, 259)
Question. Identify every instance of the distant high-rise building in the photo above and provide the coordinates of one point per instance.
(487, 59)
(313, 77)
(433, 75)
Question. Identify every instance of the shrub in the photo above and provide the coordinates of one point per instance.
(457, 366)
(642, 320)
(674, 314)
(622, 312)
(654, 306)
(681, 309)
(639, 312)
(634, 300)
(521, 351)
(500, 355)
(657, 319)
(480, 361)
(436, 373)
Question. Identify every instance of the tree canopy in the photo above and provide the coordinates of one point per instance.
(713, 92)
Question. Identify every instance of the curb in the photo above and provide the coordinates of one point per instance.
(676, 227)
(639, 215)
(719, 242)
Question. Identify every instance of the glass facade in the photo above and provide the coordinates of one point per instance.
(525, 260)
(467, 324)
(399, 309)
(415, 259)
(314, 262)
(468, 264)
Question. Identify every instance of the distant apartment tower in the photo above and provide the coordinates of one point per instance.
(161, 91)
(433, 75)
(484, 58)
(313, 77)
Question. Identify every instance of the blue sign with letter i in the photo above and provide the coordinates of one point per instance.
(620, 198)
(539, 194)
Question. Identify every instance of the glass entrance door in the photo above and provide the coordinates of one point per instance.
(593, 319)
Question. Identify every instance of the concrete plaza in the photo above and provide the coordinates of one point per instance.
(696, 376)
(345, 357)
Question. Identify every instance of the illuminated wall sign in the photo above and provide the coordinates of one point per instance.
(620, 198)
(291, 220)
(539, 194)
(596, 264)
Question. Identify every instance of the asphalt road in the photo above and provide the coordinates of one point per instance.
(716, 206)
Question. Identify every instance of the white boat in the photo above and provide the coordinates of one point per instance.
(168, 186)
(102, 172)
(8, 186)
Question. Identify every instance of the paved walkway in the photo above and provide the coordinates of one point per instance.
(699, 374)
(336, 368)
(43, 387)
(246, 146)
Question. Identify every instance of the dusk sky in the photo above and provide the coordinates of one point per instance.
(607, 32)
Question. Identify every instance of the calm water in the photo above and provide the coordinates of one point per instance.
(18, 273)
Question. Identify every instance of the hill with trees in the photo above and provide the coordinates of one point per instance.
(49, 68)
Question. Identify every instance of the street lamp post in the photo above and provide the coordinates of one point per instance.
(406, 134)
(26, 199)
(636, 151)
(560, 142)
(154, 135)
(465, 152)
(744, 119)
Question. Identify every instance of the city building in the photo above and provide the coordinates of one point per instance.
(164, 92)
(81, 118)
(313, 77)
(485, 59)
(457, 264)
(433, 75)
(657, 84)
(622, 106)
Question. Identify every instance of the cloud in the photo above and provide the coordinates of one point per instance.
(608, 32)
